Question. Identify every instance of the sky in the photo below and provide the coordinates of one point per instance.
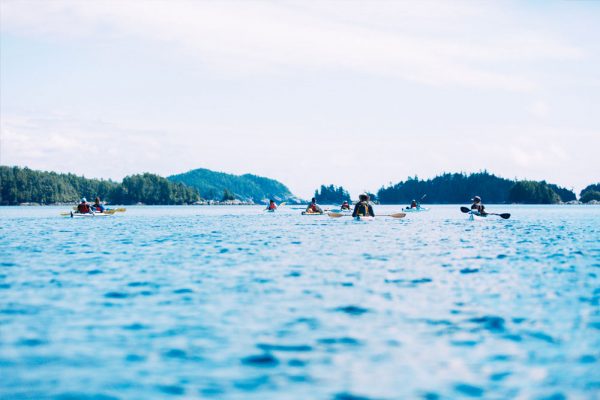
(354, 93)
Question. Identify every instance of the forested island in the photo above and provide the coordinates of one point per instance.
(214, 185)
(331, 195)
(23, 185)
(460, 188)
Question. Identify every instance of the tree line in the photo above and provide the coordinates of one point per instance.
(460, 188)
(331, 194)
(23, 185)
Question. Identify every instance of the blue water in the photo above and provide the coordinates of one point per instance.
(233, 303)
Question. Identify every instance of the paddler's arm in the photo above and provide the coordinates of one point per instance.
(355, 212)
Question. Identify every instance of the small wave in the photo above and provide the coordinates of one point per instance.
(261, 360)
(283, 347)
(352, 310)
(490, 322)
(469, 390)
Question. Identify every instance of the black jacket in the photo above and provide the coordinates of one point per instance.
(364, 209)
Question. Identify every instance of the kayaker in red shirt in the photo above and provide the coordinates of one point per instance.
(414, 204)
(345, 206)
(313, 207)
(84, 207)
(272, 206)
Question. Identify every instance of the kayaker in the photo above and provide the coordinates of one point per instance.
(272, 206)
(363, 208)
(477, 206)
(345, 206)
(98, 207)
(413, 204)
(84, 207)
(313, 207)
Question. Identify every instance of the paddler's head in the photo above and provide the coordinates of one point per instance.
(83, 200)
(476, 199)
(97, 200)
(363, 197)
(313, 200)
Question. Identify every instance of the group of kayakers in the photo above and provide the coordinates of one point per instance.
(364, 208)
(86, 208)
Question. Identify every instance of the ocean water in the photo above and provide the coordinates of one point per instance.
(234, 303)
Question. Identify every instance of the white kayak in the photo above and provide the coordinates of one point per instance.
(89, 215)
(418, 209)
(364, 218)
(311, 213)
(475, 216)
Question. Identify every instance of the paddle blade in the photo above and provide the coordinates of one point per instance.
(282, 204)
(398, 215)
(505, 215)
(335, 215)
(465, 209)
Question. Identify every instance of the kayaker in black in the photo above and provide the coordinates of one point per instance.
(345, 206)
(363, 208)
(477, 205)
(313, 207)
(84, 207)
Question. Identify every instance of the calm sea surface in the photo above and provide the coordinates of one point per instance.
(234, 303)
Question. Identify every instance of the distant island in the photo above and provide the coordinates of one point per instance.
(248, 188)
(203, 186)
(459, 188)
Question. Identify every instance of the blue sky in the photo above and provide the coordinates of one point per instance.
(358, 94)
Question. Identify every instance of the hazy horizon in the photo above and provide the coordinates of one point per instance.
(353, 93)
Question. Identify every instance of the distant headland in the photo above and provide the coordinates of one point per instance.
(203, 186)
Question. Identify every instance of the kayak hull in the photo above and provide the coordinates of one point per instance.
(309, 213)
(363, 218)
(476, 217)
(95, 215)
(414, 210)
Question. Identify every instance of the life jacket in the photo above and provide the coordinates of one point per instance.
(345, 207)
(272, 206)
(313, 208)
(83, 208)
(363, 209)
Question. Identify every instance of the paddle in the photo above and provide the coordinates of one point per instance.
(503, 215)
(395, 215)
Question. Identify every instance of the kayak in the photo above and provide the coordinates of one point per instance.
(94, 215)
(475, 216)
(338, 211)
(364, 218)
(418, 209)
(311, 213)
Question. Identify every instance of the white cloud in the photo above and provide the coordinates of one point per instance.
(242, 38)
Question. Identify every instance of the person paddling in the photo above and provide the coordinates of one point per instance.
(98, 207)
(414, 204)
(272, 206)
(313, 207)
(84, 207)
(478, 206)
(345, 206)
(363, 208)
